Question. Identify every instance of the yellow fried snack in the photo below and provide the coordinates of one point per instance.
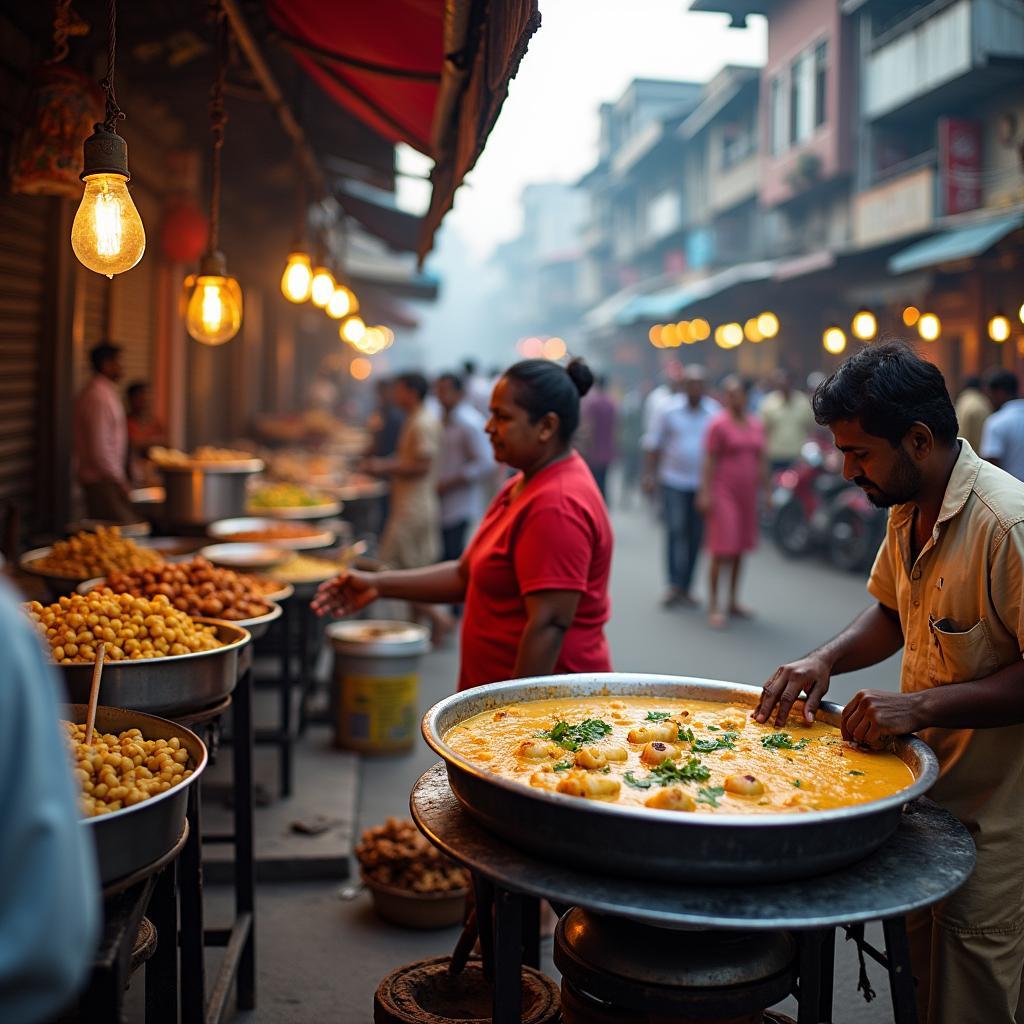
(97, 553)
(120, 771)
(132, 627)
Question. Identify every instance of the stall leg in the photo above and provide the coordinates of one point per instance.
(508, 957)
(901, 975)
(162, 967)
(531, 931)
(816, 965)
(305, 675)
(193, 964)
(483, 890)
(245, 874)
(285, 724)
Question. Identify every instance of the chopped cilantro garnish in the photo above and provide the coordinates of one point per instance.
(854, 772)
(727, 741)
(713, 728)
(631, 780)
(572, 737)
(709, 795)
(797, 783)
(685, 735)
(668, 773)
(563, 766)
(658, 716)
(782, 741)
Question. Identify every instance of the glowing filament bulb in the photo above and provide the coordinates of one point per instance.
(297, 279)
(214, 312)
(107, 235)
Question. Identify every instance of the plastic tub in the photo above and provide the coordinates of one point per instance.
(376, 683)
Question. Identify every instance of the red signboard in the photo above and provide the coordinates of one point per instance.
(959, 164)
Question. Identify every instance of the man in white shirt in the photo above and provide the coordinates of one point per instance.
(476, 388)
(1002, 437)
(467, 462)
(674, 446)
(101, 440)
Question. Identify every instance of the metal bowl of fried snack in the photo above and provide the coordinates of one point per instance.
(411, 882)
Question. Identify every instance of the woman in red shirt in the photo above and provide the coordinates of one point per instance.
(535, 576)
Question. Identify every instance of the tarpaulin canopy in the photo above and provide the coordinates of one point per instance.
(431, 73)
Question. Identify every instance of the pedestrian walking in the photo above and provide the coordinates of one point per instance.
(674, 455)
(973, 408)
(598, 420)
(385, 423)
(534, 578)
(788, 420)
(1002, 438)
(629, 446)
(477, 387)
(101, 440)
(466, 463)
(947, 587)
(734, 470)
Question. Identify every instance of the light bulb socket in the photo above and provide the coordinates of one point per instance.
(104, 152)
(213, 264)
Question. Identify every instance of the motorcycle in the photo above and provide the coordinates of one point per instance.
(800, 496)
(855, 530)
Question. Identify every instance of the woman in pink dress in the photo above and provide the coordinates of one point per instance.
(734, 470)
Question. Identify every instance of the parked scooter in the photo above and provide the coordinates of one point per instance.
(855, 531)
(800, 496)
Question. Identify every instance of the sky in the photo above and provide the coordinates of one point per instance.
(586, 52)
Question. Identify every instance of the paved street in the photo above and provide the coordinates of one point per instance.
(321, 957)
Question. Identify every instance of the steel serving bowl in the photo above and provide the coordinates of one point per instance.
(644, 842)
(128, 840)
(197, 493)
(176, 685)
(244, 557)
(324, 510)
(57, 584)
(226, 529)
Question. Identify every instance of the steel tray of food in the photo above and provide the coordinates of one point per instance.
(692, 788)
(260, 530)
(175, 685)
(130, 838)
(291, 501)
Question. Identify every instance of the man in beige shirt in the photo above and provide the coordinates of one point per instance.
(949, 585)
(788, 420)
(972, 409)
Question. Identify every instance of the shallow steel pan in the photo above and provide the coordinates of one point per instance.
(639, 841)
(134, 837)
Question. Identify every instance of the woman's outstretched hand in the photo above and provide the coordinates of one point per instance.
(346, 594)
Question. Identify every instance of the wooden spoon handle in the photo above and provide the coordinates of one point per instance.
(94, 691)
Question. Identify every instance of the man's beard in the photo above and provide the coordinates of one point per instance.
(902, 486)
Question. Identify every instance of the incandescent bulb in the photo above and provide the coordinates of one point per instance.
(321, 287)
(214, 312)
(107, 234)
(833, 340)
(341, 303)
(297, 279)
(352, 330)
(999, 328)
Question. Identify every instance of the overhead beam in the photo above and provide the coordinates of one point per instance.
(250, 49)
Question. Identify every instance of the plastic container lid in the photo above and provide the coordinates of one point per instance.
(379, 637)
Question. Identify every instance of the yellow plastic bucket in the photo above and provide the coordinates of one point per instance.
(376, 684)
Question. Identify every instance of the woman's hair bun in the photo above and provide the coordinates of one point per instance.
(580, 374)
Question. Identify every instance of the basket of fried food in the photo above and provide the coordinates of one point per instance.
(411, 882)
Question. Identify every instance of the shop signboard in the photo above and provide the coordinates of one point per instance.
(959, 164)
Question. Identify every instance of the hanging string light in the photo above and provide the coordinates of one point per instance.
(107, 235)
(322, 286)
(297, 279)
(342, 303)
(214, 312)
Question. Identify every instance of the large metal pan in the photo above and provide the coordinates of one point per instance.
(129, 839)
(174, 686)
(643, 842)
(197, 493)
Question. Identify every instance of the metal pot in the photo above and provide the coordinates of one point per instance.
(176, 685)
(643, 842)
(200, 493)
(128, 840)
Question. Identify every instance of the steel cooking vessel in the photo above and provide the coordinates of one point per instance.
(641, 841)
(197, 493)
(130, 839)
(176, 685)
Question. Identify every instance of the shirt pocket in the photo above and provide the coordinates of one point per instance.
(960, 655)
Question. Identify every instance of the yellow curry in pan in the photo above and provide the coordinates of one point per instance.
(678, 755)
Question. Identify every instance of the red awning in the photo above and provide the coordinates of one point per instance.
(431, 73)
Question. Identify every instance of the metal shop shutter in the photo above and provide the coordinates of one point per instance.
(23, 241)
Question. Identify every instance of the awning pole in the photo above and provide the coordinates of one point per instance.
(275, 97)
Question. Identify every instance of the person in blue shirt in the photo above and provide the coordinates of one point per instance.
(49, 889)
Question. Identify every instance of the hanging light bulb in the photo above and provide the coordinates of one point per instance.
(701, 329)
(833, 340)
(768, 325)
(864, 325)
(107, 234)
(929, 326)
(352, 330)
(342, 303)
(213, 314)
(999, 328)
(752, 331)
(321, 287)
(297, 279)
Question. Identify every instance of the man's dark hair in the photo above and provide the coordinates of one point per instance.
(136, 388)
(469, 367)
(415, 382)
(1004, 381)
(887, 387)
(99, 354)
(452, 378)
(974, 381)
